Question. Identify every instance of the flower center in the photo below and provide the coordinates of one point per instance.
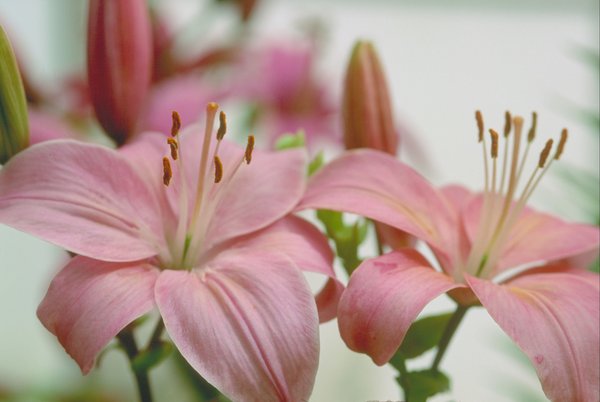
(502, 202)
(197, 207)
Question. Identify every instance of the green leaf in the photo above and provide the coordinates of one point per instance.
(149, 358)
(424, 334)
(420, 385)
(289, 141)
(315, 164)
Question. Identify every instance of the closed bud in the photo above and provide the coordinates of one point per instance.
(14, 128)
(366, 108)
(119, 59)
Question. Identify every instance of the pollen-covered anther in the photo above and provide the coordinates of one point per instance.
(480, 125)
(222, 126)
(249, 149)
(561, 144)
(218, 169)
(174, 147)
(544, 154)
(167, 172)
(494, 149)
(176, 123)
(507, 123)
(531, 134)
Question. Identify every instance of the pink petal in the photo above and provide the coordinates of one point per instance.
(247, 323)
(90, 301)
(259, 194)
(384, 296)
(554, 318)
(306, 246)
(537, 236)
(376, 185)
(82, 197)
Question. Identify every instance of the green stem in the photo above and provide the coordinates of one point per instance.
(447, 335)
(141, 376)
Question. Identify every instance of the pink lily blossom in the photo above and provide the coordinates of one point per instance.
(215, 251)
(523, 266)
(282, 82)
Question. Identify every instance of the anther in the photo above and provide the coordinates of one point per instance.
(222, 126)
(494, 135)
(249, 148)
(480, 126)
(544, 154)
(531, 134)
(174, 147)
(167, 172)
(561, 144)
(218, 169)
(507, 123)
(176, 123)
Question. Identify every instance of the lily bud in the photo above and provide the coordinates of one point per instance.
(119, 59)
(14, 128)
(366, 108)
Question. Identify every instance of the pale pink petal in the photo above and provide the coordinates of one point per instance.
(260, 193)
(537, 236)
(247, 323)
(90, 301)
(457, 197)
(384, 296)
(554, 318)
(376, 185)
(306, 246)
(85, 198)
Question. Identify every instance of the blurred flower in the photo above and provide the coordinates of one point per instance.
(279, 80)
(187, 94)
(525, 267)
(14, 130)
(119, 63)
(44, 126)
(213, 250)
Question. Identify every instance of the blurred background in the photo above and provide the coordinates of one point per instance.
(442, 62)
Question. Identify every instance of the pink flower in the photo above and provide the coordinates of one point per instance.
(215, 251)
(281, 80)
(523, 266)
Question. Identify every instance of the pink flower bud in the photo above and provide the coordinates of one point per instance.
(119, 63)
(366, 109)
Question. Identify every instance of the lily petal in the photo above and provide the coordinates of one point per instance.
(384, 296)
(276, 181)
(537, 236)
(376, 185)
(247, 323)
(90, 301)
(306, 246)
(85, 198)
(554, 318)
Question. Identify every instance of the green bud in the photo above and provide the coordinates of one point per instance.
(14, 128)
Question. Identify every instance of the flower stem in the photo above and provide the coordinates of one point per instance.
(451, 327)
(141, 375)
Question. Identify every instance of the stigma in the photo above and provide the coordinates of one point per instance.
(506, 190)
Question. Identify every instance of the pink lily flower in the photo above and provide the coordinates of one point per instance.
(215, 251)
(523, 266)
